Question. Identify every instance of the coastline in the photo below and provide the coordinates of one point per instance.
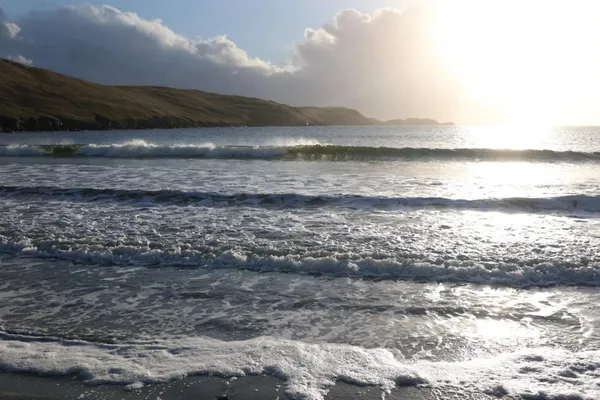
(16, 386)
(38, 100)
(49, 125)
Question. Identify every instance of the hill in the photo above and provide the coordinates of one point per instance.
(34, 99)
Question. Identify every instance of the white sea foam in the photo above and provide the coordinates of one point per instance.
(543, 273)
(20, 151)
(573, 203)
(141, 149)
(308, 369)
(295, 149)
(293, 142)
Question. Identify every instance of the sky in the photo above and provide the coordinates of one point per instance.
(466, 61)
(264, 28)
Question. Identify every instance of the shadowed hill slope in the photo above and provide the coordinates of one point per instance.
(34, 99)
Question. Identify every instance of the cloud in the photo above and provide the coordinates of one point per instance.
(106, 45)
(8, 30)
(385, 63)
(20, 59)
(382, 64)
(9, 40)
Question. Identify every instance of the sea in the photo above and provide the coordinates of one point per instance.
(448, 257)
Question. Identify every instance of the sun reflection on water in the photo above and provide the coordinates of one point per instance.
(504, 330)
(508, 179)
(518, 137)
(506, 322)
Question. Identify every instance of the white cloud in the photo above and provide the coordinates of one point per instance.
(382, 64)
(20, 59)
(8, 30)
(11, 30)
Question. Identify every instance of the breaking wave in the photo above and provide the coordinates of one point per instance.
(308, 370)
(572, 203)
(142, 149)
(517, 273)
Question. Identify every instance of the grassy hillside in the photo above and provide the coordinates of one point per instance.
(34, 99)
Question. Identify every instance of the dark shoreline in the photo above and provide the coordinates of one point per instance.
(14, 386)
(49, 124)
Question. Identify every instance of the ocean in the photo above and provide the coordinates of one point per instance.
(453, 258)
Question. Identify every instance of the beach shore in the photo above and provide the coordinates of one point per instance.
(261, 387)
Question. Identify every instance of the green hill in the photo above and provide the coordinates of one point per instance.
(34, 99)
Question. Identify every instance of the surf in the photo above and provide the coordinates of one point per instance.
(304, 152)
(569, 204)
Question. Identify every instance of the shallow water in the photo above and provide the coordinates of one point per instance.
(446, 256)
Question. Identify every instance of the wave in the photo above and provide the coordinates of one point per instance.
(518, 273)
(308, 370)
(309, 152)
(579, 203)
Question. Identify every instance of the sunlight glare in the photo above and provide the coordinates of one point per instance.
(525, 57)
(511, 136)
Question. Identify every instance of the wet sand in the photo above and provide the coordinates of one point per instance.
(261, 387)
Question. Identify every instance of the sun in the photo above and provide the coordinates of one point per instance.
(532, 59)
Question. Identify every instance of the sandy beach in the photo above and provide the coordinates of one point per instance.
(261, 387)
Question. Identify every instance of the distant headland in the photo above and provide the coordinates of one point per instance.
(35, 99)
